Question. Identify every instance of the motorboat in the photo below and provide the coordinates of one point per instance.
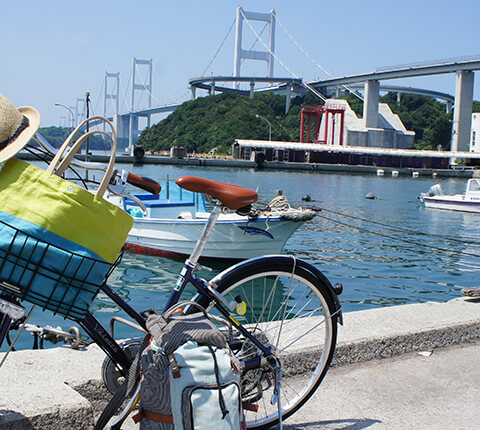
(170, 225)
(468, 202)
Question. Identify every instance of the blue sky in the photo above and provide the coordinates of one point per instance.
(55, 51)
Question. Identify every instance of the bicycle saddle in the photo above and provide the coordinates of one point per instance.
(233, 196)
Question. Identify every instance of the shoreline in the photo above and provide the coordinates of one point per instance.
(274, 165)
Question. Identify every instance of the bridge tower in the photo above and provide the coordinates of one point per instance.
(144, 87)
(80, 110)
(241, 53)
(112, 89)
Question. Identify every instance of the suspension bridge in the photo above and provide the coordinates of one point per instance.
(128, 123)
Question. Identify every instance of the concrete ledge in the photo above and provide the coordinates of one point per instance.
(61, 388)
(388, 332)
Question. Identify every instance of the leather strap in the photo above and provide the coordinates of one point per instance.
(153, 416)
(249, 406)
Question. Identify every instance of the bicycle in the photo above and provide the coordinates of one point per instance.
(282, 312)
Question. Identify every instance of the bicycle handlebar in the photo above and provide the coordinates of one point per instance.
(144, 183)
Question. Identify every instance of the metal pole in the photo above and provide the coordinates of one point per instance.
(87, 100)
(269, 126)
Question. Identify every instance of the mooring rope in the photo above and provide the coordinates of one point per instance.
(389, 236)
(279, 206)
(406, 230)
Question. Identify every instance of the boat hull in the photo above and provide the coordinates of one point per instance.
(233, 238)
(452, 203)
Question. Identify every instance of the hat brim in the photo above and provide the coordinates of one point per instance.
(24, 137)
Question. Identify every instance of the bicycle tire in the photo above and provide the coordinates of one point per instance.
(305, 302)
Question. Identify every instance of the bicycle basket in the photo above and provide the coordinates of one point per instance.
(52, 277)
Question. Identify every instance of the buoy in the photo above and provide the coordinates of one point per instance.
(370, 196)
(306, 198)
(380, 172)
(395, 173)
(415, 174)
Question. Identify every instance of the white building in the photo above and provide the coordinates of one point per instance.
(391, 133)
(475, 136)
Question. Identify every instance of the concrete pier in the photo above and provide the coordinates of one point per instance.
(61, 388)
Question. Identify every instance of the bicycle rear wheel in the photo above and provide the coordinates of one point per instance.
(291, 310)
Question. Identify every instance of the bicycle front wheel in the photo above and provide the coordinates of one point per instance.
(292, 311)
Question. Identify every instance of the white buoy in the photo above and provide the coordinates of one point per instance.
(415, 174)
(434, 174)
(395, 173)
(380, 172)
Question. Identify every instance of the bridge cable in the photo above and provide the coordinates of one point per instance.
(175, 100)
(354, 92)
(220, 47)
(125, 97)
(313, 90)
(413, 242)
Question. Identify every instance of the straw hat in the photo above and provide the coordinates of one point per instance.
(17, 127)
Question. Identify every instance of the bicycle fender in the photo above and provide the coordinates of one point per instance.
(288, 259)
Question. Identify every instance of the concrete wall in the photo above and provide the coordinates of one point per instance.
(389, 133)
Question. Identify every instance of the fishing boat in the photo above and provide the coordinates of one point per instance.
(468, 202)
(170, 225)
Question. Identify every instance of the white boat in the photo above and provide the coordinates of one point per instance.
(171, 227)
(468, 202)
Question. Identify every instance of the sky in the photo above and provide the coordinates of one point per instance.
(57, 50)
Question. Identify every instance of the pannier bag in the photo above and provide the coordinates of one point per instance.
(58, 241)
(190, 380)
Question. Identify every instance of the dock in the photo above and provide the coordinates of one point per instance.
(218, 161)
(61, 388)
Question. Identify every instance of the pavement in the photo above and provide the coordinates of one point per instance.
(412, 366)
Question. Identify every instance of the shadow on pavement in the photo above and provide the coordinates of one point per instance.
(349, 424)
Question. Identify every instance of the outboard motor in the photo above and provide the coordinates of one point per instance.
(435, 190)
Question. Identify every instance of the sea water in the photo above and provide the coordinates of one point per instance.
(377, 264)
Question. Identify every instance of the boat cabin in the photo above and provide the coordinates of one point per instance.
(473, 190)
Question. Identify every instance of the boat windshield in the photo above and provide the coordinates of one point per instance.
(474, 185)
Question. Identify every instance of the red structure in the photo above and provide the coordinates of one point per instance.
(316, 112)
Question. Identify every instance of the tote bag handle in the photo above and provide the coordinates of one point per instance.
(58, 167)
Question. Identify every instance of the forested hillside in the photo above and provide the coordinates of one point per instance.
(57, 135)
(215, 122)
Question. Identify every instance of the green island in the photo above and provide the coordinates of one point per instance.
(214, 122)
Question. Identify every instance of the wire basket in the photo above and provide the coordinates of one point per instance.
(47, 275)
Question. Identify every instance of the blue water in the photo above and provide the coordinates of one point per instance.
(377, 271)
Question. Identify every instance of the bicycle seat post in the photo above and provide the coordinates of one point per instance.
(203, 239)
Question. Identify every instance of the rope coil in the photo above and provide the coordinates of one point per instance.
(280, 207)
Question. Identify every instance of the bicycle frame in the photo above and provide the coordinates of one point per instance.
(187, 276)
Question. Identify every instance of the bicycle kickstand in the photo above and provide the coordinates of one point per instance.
(276, 397)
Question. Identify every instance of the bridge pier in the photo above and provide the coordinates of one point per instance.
(462, 114)
(288, 98)
(122, 125)
(193, 92)
(370, 105)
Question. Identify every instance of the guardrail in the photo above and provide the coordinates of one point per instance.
(430, 63)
